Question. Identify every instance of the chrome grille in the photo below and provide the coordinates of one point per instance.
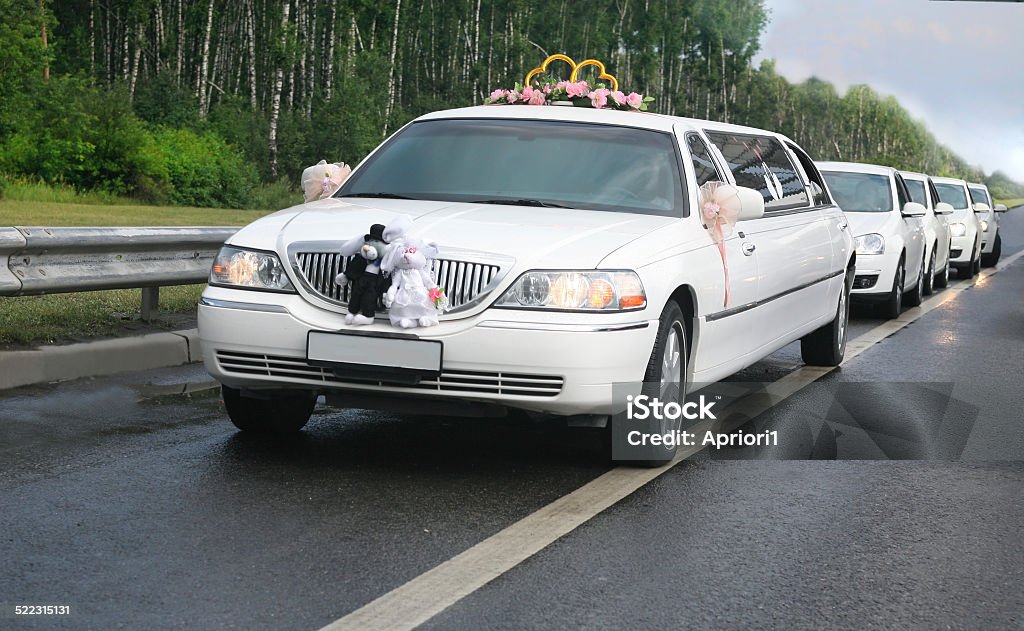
(296, 369)
(462, 281)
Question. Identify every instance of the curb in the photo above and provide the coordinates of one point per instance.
(98, 359)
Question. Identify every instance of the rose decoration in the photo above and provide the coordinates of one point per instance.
(720, 208)
(439, 300)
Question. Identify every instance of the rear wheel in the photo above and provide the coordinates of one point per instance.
(283, 414)
(827, 345)
(990, 259)
(892, 307)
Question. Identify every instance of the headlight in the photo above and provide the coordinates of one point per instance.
(870, 244)
(957, 229)
(575, 291)
(235, 267)
(984, 226)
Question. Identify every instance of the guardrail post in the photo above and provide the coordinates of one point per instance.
(150, 303)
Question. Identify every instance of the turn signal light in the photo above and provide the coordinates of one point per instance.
(601, 294)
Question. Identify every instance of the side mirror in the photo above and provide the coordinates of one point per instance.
(981, 208)
(1000, 208)
(913, 209)
(751, 203)
(942, 208)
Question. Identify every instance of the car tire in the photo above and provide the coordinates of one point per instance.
(893, 305)
(990, 259)
(827, 345)
(929, 276)
(285, 414)
(942, 280)
(914, 296)
(665, 378)
(976, 262)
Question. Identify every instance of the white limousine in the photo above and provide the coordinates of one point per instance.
(573, 250)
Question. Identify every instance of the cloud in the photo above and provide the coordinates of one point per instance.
(953, 65)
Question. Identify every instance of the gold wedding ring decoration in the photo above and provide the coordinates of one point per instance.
(575, 69)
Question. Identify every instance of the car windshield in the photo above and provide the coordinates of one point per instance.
(860, 192)
(978, 196)
(527, 162)
(952, 194)
(917, 191)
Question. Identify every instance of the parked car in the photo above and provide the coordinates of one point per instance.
(991, 241)
(936, 229)
(573, 253)
(964, 225)
(888, 231)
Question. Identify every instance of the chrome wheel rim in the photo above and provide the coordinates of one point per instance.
(671, 375)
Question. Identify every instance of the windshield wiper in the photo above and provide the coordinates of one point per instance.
(378, 195)
(522, 202)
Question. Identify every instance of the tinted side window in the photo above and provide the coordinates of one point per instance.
(917, 191)
(902, 196)
(978, 196)
(703, 165)
(761, 163)
(817, 183)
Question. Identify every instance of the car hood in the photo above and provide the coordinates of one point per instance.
(535, 237)
(866, 223)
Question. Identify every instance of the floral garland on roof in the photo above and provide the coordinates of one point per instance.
(552, 90)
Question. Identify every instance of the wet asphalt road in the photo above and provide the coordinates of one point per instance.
(895, 499)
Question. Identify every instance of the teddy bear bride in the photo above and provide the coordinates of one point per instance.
(412, 297)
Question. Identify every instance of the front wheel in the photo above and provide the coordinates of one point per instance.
(929, 276)
(975, 262)
(913, 297)
(990, 259)
(892, 307)
(283, 414)
(942, 280)
(827, 345)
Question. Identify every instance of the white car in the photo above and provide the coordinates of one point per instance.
(936, 229)
(964, 225)
(991, 241)
(888, 230)
(573, 253)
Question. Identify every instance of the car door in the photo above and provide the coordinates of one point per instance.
(943, 237)
(914, 227)
(792, 239)
(727, 323)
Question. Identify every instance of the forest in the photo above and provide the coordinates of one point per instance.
(201, 102)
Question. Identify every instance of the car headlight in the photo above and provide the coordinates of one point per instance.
(575, 291)
(957, 229)
(236, 267)
(870, 244)
(984, 225)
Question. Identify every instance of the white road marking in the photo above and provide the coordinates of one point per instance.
(430, 593)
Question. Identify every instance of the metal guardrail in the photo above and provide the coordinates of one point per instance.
(38, 260)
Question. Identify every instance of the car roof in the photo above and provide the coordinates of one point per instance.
(914, 175)
(976, 185)
(643, 120)
(948, 180)
(856, 167)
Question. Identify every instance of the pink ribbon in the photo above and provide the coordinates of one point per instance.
(720, 209)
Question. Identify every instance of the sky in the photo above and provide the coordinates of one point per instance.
(957, 66)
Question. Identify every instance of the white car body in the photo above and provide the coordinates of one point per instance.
(990, 239)
(787, 273)
(936, 223)
(964, 224)
(903, 236)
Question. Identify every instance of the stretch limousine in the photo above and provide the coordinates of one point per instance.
(577, 247)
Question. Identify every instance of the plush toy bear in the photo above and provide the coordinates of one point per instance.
(367, 282)
(409, 298)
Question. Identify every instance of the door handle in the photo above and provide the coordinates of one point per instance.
(842, 225)
(748, 249)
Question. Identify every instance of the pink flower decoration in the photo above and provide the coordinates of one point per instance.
(547, 89)
(599, 98)
(498, 95)
(578, 89)
(618, 97)
(711, 212)
(537, 98)
(435, 293)
(512, 96)
(635, 100)
(561, 85)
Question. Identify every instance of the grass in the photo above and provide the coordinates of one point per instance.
(37, 213)
(33, 320)
(1010, 203)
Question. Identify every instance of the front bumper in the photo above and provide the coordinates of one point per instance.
(962, 248)
(874, 277)
(544, 362)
